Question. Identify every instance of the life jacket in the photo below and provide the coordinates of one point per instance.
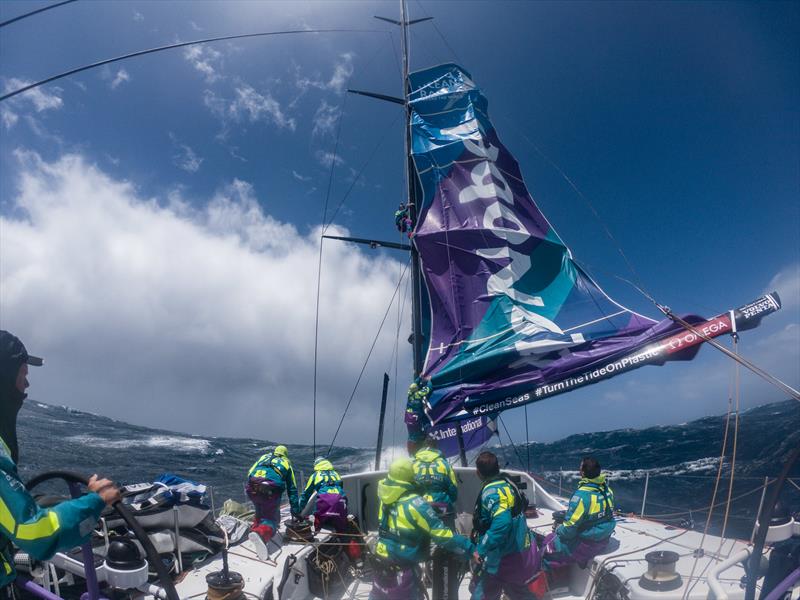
(520, 505)
(434, 476)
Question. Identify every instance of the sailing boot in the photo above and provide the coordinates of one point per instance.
(260, 536)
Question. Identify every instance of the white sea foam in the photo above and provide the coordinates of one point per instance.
(701, 466)
(186, 444)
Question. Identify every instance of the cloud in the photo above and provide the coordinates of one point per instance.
(40, 99)
(195, 26)
(190, 314)
(137, 16)
(787, 283)
(326, 159)
(9, 117)
(185, 158)
(325, 119)
(248, 105)
(121, 77)
(342, 72)
(206, 60)
(300, 177)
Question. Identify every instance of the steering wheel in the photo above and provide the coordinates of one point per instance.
(74, 480)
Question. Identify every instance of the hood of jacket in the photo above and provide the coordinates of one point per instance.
(428, 455)
(599, 481)
(323, 465)
(390, 491)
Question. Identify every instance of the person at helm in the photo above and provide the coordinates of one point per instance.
(266, 481)
(23, 524)
(331, 503)
(407, 524)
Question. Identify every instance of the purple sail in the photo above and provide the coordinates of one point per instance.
(509, 309)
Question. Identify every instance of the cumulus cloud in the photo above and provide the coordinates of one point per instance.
(206, 60)
(248, 105)
(188, 314)
(40, 98)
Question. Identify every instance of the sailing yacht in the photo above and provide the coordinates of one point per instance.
(504, 316)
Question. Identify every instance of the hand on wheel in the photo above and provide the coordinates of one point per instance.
(104, 488)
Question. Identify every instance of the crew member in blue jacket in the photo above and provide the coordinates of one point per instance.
(505, 557)
(266, 480)
(24, 525)
(588, 522)
(331, 503)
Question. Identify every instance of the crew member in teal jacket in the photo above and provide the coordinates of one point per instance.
(266, 480)
(331, 503)
(588, 522)
(37, 531)
(406, 526)
(505, 558)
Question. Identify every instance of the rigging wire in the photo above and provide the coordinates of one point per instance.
(319, 274)
(687, 590)
(784, 387)
(35, 12)
(513, 445)
(107, 61)
(361, 172)
(364, 367)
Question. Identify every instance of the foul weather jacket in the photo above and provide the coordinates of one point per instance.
(590, 515)
(504, 533)
(39, 532)
(278, 471)
(324, 480)
(407, 525)
(435, 478)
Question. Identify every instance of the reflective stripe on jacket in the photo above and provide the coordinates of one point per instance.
(278, 470)
(324, 480)
(39, 532)
(590, 515)
(506, 533)
(435, 477)
(407, 525)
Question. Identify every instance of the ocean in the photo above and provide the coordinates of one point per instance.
(682, 460)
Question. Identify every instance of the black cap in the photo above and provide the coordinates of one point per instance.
(13, 350)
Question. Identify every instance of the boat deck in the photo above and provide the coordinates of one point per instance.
(286, 575)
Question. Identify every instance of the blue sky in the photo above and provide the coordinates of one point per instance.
(160, 217)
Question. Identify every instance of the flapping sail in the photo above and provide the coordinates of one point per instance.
(512, 316)
(475, 432)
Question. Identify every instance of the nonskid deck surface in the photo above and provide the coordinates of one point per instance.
(633, 539)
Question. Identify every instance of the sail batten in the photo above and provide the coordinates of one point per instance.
(509, 308)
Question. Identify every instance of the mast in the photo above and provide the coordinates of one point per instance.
(416, 279)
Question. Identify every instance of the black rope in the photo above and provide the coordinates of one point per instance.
(364, 367)
(513, 445)
(35, 12)
(178, 45)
